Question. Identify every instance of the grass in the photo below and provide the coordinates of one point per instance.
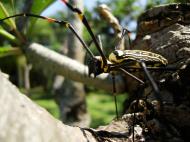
(100, 106)
(50, 106)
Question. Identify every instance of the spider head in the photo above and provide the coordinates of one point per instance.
(95, 66)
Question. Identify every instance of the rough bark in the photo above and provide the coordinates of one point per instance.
(165, 30)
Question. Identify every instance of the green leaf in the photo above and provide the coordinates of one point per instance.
(9, 5)
(7, 35)
(37, 8)
(9, 51)
(4, 13)
(40, 5)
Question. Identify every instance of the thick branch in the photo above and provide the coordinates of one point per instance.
(23, 121)
(69, 68)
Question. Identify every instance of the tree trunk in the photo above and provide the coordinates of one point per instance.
(71, 96)
(165, 30)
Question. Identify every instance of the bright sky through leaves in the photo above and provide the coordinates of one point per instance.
(59, 6)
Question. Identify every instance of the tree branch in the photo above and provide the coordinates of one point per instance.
(22, 120)
(47, 59)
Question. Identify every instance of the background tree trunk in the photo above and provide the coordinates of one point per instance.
(70, 97)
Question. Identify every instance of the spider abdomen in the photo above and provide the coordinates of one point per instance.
(150, 58)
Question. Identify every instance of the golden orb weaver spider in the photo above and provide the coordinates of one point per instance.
(118, 60)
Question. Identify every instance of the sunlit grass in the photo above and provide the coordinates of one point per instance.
(100, 105)
(50, 106)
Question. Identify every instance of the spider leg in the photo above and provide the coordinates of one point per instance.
(151, 80)
(115, 97)
(60, 22)
(124, 32)
(168, 68)
(131, 75)
(100, 42)
(120, 67)
(86, 24)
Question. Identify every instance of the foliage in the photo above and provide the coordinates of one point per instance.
(50, 106)
(5, 10)
(7, 51)
(15, 32)
(9, 22)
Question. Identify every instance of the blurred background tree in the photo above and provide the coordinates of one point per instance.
(39, 85)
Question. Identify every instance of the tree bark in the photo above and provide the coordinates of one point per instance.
(165, 30)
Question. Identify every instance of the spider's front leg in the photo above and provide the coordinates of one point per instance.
(114, 95)
(84, 20)
(52, 20)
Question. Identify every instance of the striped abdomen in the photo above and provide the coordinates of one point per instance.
(149, 58)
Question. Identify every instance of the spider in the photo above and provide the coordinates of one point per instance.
(118, 60)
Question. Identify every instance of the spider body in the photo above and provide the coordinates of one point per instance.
(125, 58)
(151, 58)
(95, 66)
